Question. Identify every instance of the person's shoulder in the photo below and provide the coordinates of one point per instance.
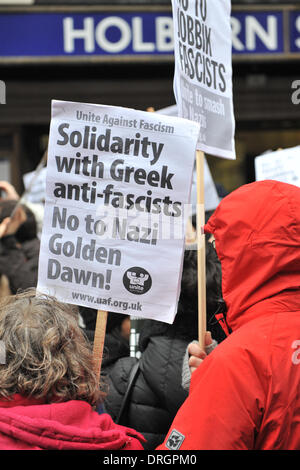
(158, 344)
(32, 244)
(247, 347)
(120, 372)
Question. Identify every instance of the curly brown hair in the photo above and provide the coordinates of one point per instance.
(47, 355)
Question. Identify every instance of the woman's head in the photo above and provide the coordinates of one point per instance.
(47, 355)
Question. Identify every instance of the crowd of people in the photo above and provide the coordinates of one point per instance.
(240, 392)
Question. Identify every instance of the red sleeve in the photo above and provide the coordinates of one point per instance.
(224, 408)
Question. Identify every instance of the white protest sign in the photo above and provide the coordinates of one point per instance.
(282, 165)
(211, 197)
(169, 110)
(203, 71)
(38, 189)
(5, 170)
(117, 183)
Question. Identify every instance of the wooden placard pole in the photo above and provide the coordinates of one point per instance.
(99, 337)
(201, 249)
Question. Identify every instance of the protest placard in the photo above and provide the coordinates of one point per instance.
(211, 197)
(203, 93)
(282, 165)
(114, 228)
(203, 71)
(5, 170)
(38, 189)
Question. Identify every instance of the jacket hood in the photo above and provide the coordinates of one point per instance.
(72, 425)
(257, 237)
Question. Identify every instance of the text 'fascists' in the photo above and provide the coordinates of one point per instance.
(195, 42)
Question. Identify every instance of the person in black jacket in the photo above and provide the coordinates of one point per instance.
(19, 246)
(116, 341)
(157, 392)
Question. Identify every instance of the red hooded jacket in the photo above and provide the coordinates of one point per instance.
(27, 424)
(246, 393)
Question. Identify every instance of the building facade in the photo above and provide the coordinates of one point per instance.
(121, 53)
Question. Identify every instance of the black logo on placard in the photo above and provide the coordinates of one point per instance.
(137, 280)
(175, 440)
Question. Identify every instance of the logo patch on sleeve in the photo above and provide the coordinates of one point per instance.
(175, 440)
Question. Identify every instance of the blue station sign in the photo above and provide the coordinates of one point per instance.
(47, 35)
